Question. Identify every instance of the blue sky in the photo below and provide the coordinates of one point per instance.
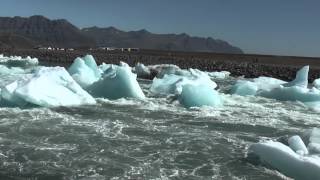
(284, 27)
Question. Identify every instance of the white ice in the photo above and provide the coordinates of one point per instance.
(49, 87)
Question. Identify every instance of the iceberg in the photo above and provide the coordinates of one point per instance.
(193, 89)
(244, 88)
(301, 79)
(85, 71)
(219, 75)
(172, 83)
(197, 96)
(11, 70)
(142, 71)
(316, 83)
(117, 82)
(48, 87)
(312, 137)
(18, 61)
(294, 93)
(284, 159)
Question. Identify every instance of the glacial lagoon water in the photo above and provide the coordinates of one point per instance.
(153, 138)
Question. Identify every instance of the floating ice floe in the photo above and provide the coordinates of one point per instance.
(85, 71)
(295, 90)
(18, 61)
(194, 88)
(245, 87)
(48, 87)
(296, 160)
(117, 82)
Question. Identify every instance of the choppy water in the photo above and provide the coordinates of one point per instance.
(150, 139)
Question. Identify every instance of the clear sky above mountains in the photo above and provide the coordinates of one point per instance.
(285, 27)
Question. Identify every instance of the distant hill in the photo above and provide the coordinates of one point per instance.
(22, 32)
(112, 37)
(38, 30)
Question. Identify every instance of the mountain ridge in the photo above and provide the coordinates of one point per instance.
(28, 32)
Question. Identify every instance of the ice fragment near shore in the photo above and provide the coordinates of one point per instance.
(117, 82)
(47, 87)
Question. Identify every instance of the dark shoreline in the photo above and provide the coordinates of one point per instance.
(282, 67)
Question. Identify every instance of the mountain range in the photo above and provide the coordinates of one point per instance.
(28, 32)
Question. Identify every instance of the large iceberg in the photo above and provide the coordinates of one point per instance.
(287, 161)
(49, 87)
(18, 61)
(117, 82)
(85, 71)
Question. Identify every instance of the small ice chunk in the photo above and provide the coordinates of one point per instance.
(197, 96)
(296, 144)
(117, 82)
(301, 79)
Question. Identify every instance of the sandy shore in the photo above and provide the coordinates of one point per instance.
(283, 67)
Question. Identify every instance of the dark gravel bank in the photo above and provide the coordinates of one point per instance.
(283, 67)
